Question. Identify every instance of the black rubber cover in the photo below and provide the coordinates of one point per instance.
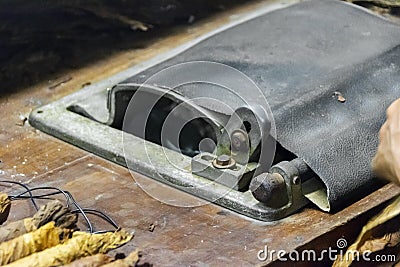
(299, 56)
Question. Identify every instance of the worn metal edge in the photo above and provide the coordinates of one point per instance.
(94, 137)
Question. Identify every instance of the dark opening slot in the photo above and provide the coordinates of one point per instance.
(188, 138)
(168, 124)
(185, 133)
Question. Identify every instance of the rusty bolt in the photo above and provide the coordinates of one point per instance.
(224, 162)
(239, 140)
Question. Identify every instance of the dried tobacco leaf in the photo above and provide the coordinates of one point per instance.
(45, 237)
(80, 245)
(52, 211)
(5, 205)
(129, 261)
(369, 238)
(55, 211)
(91, 261)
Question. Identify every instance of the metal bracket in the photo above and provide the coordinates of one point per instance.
(92, 133)
(237, 177)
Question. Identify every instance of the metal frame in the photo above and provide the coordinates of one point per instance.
(57, 120)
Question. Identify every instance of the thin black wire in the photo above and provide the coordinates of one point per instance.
(67, 196)
(69, 200)
(27, 188)
(100, 214)
(59, 191)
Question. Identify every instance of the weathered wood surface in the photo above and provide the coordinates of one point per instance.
(182, 236)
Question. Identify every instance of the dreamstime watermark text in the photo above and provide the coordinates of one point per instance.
(267, 254)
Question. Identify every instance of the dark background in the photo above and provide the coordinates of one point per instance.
(39, 39)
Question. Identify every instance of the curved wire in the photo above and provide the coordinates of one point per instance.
(100, 214)
(24, 186)
(68, 197)
(59, 191)
(69, 201)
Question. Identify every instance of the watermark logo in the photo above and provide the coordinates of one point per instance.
(341, 243)
(331, 253)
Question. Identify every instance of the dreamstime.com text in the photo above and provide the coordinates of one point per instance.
(267, 254)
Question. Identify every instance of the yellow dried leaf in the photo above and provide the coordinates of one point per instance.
(45, 237)
(5, 205)
(80, 245)
(52, 211)
(366, 241)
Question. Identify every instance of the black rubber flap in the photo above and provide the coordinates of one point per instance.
(300, 56)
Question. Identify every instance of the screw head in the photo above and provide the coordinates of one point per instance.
(224, 162)
(239, 140)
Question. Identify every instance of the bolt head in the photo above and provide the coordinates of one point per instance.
(224, 162)
(239, 140)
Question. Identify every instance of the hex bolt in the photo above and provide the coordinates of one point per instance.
(239, 140)
(224, 162)
(270, 189)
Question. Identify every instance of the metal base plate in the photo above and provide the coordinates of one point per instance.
(56, 119)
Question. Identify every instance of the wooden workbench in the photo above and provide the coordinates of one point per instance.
(201, 236)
